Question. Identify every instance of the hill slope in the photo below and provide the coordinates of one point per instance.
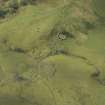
(52, 53)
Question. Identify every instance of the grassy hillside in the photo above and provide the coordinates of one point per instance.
(53, 53)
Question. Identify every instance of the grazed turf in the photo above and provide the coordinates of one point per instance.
(37, 67)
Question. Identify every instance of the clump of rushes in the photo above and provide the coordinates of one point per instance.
(13, 6)
(26, 2)
(2, 13)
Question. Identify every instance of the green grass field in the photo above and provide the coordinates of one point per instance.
(53, 53)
